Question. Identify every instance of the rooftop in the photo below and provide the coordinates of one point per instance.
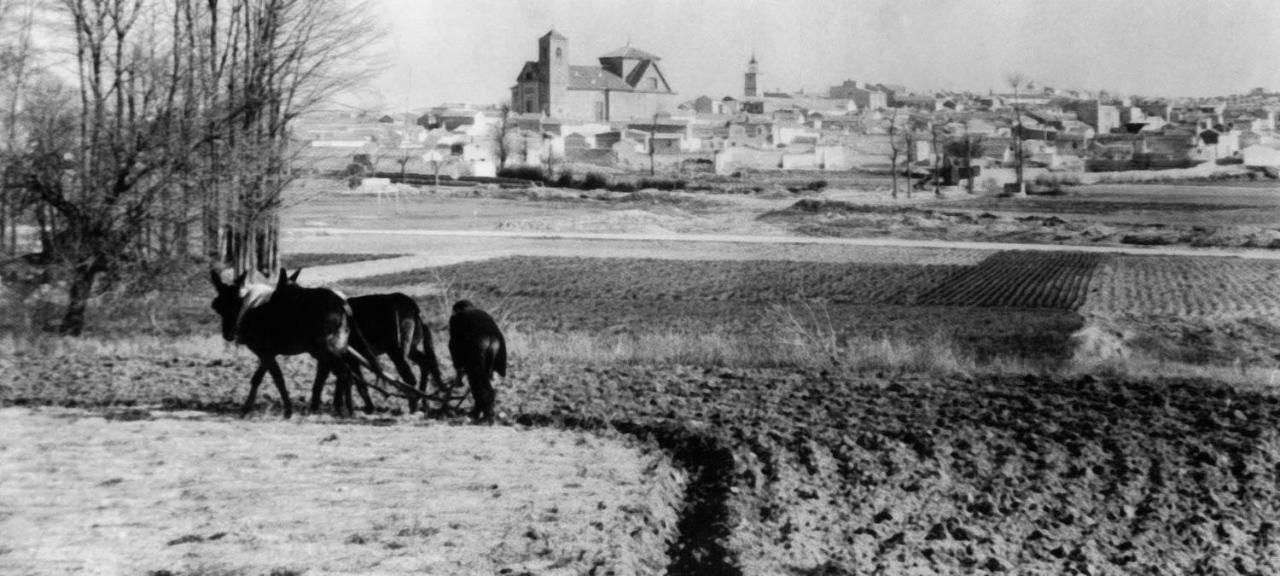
(629, 52)
(595, 78)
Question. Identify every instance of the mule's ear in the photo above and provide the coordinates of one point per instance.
(294, 277)
(216, 277)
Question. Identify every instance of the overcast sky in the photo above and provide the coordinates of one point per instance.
(471, 50)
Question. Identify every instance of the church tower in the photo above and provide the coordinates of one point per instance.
(749, 88)
(553, 67)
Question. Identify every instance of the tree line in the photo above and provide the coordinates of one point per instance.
(143, 134)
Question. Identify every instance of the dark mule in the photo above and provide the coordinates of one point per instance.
(478, 349)
(390, 324)
(289, 320)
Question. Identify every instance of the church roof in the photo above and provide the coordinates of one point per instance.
(595, 78)
(638, 72)
(629, 52)
(552, 33)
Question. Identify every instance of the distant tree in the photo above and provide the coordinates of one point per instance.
(939, 131)
(406, 151)
(966, 148)
(436, 156)
(501, 135)
(895, 150)
(1018, 81)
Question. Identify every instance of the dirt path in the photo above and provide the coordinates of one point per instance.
(142, 493)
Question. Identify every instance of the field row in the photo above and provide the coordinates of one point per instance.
(1020, 280)
(1188, 287)
(675, 280)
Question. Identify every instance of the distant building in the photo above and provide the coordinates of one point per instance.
(1104, 118)
(749, 84)
(627, 84)
(865, 98)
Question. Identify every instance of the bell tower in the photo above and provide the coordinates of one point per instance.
(553, 66)
(749, 83)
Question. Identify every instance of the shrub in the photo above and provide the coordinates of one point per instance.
(662, 184)
(1146, 240)
(594, 181)
(817, 185)
(534, 173)
(355, 175)
(565, 180)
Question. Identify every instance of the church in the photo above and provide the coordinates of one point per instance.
(627, 85)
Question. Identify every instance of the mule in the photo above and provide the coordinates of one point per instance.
(479, 350)
(288, 320)
(391, 324)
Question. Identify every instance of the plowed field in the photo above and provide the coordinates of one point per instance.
(662, 280)
(918, 476)
(838, 474)
(1189, 287)
(1020, 280)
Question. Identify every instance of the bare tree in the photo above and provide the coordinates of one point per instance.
(939, 130)
(895, 150)
(500, 134)
(1018, 80)
(436, 157)
(966, 149)
(106, 180)
(17, 73)
(179, 110)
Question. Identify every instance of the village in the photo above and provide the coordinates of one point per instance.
(622, 114)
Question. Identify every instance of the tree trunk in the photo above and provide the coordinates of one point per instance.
(968, 162)
(4, 211)
(893, 174)
(82, 278)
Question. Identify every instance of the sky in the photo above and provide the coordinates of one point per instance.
(471, 50)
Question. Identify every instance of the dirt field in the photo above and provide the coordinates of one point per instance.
(137, 492)
(797, 471)
(833, 467)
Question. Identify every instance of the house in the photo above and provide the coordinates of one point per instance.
(752, 134)
(666, 143)
(1104, 118)
(922, 102)
(628, 83)
(864, 98)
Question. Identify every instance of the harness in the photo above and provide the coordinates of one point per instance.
(251, 297)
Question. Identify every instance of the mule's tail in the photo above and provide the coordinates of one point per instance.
(431, 364)
(493, 355)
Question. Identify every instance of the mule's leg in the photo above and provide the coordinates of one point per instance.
(253, 388)
(278, 377)
(481, 394)
(346, 374)
(317, 389)
(357, 379)
(342, 405)
(406, 374)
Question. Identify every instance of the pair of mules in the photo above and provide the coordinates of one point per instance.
(345, 335)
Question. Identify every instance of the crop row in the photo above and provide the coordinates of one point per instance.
(1191, 287)
(676, 280)
(1019, 279)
